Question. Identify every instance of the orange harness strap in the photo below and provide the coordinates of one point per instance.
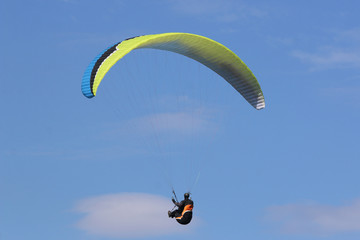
(187, 208)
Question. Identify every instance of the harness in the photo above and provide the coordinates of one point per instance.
(187, 208)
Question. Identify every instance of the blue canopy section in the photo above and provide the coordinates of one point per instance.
(86, 87)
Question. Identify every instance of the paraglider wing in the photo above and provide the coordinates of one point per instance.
(204, 50)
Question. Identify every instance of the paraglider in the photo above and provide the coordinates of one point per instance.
(183, 213)
(206, 51)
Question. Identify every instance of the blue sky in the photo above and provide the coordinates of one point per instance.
(74, 168)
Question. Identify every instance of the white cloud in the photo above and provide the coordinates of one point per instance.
(128, 215)
(315, 219)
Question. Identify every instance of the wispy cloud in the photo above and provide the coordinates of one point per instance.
(136, 136)
(70, 1)
(128, 215)
(349, 95)
(315, 219)
(349, 35)
(169, 125)
(222, 11)
(342, 51)
(178, 123)
(330, 58)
